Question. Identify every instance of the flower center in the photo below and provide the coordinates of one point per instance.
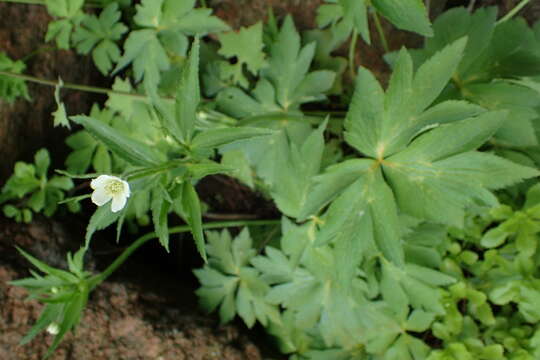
(114, 187)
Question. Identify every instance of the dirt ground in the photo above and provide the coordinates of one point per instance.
(147, 310)
(143, 312)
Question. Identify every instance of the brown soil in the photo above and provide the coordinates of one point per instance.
(143, 312)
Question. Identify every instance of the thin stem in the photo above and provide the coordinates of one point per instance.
(43, 3)
(36, 52)
(381, 32)
(352, 52)
(513, 12)
(96, 280)
(92, 89)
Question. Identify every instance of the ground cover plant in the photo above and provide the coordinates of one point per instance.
(408, 223)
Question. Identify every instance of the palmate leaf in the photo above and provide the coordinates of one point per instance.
(307, 281)
(408, 15)
(247, 46)
(380, 124)
(288, 66)
(294, 168)
(70, 14)
(433, 177)
(165, 24)
(11, 88)
(520, 101)
(98, 35)
(228, 282)
(438, 175)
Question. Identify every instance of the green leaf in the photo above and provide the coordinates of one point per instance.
(246, 45)
(102, 218)
(10, 87)
(521, 103)
(42, 161)
(295, 167)
(149, 58)
(406, 14)
(99, 35)
(50, 313)
(227, 280)
(192, 208)
(288, 67)
(72, 315)
(213, 138)
(64, 8)
(433, 75)
(365, 114)
(165, 24)
(188, 97)
(433, 180)
(335, 179)
(60, 116)
(160, 209)
(356, 10)
(131, 150)
(61, 274)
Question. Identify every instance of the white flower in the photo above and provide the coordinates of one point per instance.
(108, 187)
(53, 328)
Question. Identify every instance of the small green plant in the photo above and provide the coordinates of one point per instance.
(11, 88)
(30, 189)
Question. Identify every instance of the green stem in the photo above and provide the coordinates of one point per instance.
(92, 89)
(43, 3)
(352, 52)
(513, 12)
(96, 280)
(381, 32)
(36, 52)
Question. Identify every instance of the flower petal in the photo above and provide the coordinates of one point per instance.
(100, 197)
(127, 192)
(118, 202)
(100, 181)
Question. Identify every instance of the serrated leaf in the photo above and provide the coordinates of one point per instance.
(406, 14)
(435, 179)
(295, 167)
(102, 218)
(99, 35)
(64, 8)
(380, 124)
(160, 209)
(131, 150)
(288, 67)
(165, 23)
(521, 103)
(246, 45)
(188, 96)
(59, 116)
(149, 58)
(12, 88)
(357, 11)
(192, 208)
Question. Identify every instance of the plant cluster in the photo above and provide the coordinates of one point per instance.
(409, 225)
